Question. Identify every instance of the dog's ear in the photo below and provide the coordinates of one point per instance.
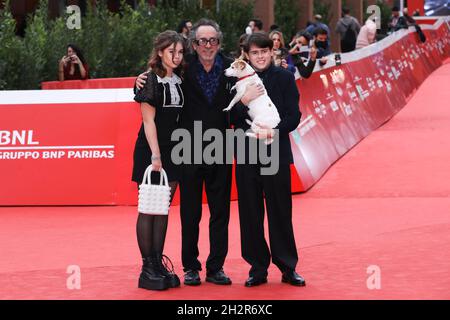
(240, 64)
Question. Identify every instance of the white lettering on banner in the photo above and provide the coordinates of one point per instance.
(353, 96)
(334, 106)
(15, 137)
(19, 145)
(53, 154)
(306, 125)
(91, 154)
(46, 155)
(347, 108)
(319, 108)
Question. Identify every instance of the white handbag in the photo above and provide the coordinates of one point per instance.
(153, 198)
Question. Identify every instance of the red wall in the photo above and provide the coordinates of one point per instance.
(340, 105)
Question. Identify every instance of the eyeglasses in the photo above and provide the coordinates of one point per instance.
(203, 42)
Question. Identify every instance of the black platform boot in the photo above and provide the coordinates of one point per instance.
(166, 268)
(151, 277)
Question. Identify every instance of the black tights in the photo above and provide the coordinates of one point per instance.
(151, 230)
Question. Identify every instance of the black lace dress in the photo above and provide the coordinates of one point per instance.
(166, 96)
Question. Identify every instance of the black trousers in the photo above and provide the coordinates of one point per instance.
(252, 187)
(217, 179)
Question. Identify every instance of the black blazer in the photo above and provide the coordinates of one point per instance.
(197, 107)
(282, 90)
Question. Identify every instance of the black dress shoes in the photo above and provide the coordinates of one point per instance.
(255, 281)
(218, 277)
(192, 278)
(293, 278)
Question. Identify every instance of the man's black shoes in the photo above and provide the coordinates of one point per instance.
(255, 281)
(293, 278)
(218, 277)
(192, 278)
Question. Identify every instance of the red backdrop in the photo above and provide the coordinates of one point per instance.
(74, 147)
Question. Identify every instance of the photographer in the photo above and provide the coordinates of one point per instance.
(302, 53)
(281, 56)
(73, 66)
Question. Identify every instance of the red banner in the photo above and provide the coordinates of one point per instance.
(74, 147)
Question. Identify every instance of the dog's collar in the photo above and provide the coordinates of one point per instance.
(247, 76)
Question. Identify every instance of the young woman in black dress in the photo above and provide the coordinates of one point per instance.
(161, 101)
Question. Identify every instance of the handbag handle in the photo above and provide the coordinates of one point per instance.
(163, 180)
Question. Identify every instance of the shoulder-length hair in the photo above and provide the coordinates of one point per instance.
(280, 34)
(162, 41)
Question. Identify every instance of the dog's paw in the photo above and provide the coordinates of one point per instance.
(251, 134)
(249, 122)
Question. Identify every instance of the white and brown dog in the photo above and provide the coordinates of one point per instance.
(262, 110)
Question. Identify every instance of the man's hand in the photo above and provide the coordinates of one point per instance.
(313, 53)
(252, 92)
(263, 131)
(295, 49)
(140, 81)
(323, 61)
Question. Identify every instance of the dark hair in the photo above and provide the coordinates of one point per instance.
(258, 23)
(182, 25)
(78, 52)
(274, 27)
(346, 10)
(320, 31)
(308, 36)
(395, 8)
(258, 39)
(161, 42)
(205, 22)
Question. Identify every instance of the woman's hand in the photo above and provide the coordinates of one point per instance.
(156, 163)
(284, 63)
(63, 61)
(75, 59)
(252, 92)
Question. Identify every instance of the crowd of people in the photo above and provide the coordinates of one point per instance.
(298, 56)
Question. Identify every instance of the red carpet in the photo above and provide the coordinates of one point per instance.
(385, 203)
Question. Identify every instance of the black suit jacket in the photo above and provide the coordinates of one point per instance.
(282, 90)
(197, 106)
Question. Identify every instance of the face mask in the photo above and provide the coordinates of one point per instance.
(321, 44)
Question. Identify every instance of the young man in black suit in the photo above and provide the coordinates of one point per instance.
(253, 184)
